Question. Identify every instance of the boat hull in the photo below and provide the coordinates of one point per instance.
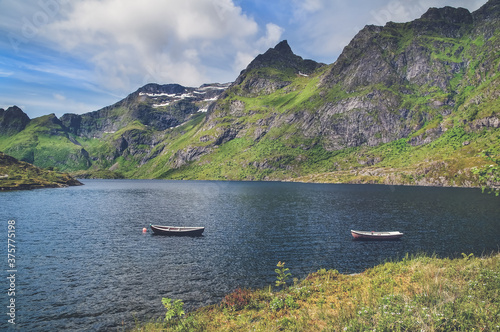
(177, 231)
(376, 236)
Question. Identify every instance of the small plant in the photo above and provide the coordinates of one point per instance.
(290, 302)
(467, 257)
(489, 175)
(174, 309)
(279, 303)
(237, 300)
(283, 274)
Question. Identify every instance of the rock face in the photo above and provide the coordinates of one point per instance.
(391, 82)
(12, 121)
(157, 106)
(376, 77)
(283, 62)
(130, 128)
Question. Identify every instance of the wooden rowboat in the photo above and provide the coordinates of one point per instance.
(178, 231)
(364, 235)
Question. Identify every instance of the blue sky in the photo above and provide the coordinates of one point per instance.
(77, 56)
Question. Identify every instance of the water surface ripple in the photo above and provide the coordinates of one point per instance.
(84, 264)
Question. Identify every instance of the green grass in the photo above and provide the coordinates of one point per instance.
(418, 293)
(17, 175)
(449, 161)
(44, 143)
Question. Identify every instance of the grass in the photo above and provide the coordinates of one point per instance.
(17, 175)
(450, 160)
(418, 293)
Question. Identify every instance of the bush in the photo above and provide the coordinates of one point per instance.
(173, 309)
(237, 300)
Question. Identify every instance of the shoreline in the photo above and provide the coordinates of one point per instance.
(411, 294)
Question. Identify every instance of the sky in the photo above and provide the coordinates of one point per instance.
(77, 56)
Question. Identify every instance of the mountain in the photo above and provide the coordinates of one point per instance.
(156, 106)
(12, 121)
(97, 140)
(406, 103)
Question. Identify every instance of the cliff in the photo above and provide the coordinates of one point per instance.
(12, 121)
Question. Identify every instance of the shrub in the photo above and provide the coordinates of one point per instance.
(279, 303)
(173, 309)
(283, 274)
(237, 300)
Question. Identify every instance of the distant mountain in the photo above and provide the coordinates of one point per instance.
(12, 121)
(406, 103)
(96, 139)
(156, 106)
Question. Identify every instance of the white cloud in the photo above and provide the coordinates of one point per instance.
(131, 42)
(243, 60)
(4, 73)
(302, 8)
(311, 5)
(272, 36)
(59, 96)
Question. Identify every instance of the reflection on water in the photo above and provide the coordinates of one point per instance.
(84, 263)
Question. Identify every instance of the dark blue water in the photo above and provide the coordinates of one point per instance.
(83, 262)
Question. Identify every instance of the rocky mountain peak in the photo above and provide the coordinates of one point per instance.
(257, 79)
(448, 22)
(488, 11)
(486, 19)
(282, 57)
(448, 15)
(283, 48)
(164, 88)
(12, 120)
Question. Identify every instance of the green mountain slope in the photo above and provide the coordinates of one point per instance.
(45, 143)
(413, 103)
(19, 175)
(407, 103)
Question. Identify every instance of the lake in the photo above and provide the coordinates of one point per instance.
(83, 263)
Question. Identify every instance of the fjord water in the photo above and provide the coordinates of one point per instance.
(83, 262)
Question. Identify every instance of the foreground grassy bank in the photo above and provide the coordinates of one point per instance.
(415, 294)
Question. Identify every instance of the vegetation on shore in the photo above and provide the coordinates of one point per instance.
(20, 175)
(457, 159)
(418, 293)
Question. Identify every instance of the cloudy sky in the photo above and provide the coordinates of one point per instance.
(77, 56)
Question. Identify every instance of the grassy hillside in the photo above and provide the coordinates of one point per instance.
(415, 294)
(18, 175)
(45, 143)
